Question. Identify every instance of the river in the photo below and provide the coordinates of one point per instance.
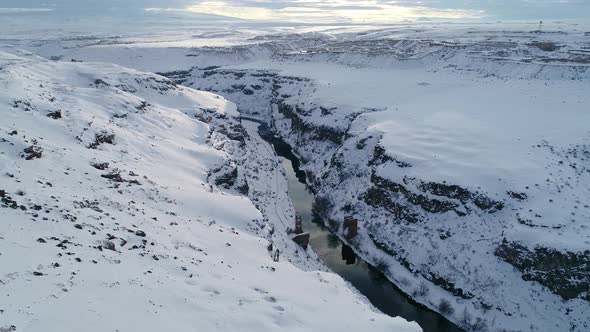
(341, 259)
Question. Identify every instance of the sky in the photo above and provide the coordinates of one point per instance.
(326, 11)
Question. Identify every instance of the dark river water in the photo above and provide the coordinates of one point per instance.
(341, 259)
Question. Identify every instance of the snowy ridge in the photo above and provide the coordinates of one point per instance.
(108, 221)
(508, 52)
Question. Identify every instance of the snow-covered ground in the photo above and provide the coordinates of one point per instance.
(109, 222)
(463, 149)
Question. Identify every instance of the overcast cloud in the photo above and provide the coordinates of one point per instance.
(341, 10)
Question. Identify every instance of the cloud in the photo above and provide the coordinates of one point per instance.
(325, 11)
(15, 10)
(513, 9)
(328, 10)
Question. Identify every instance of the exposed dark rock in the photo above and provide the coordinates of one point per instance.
(32, 152)
(228, 179)
(86, 204)
(517, 196)
(114, 175)
(7, 201)
(297, 124)
(380, 156)
(325, 133)
(428, 204)
(456, 192)
(386, 194)
(545, 46)
(564, 273)
(302, 240)
(362, 143)
(379, 198)
(391, 252)
(350, 227)
(140, 233)
(109, 245)
(143, 106)
(54, 115)
(24, 105)
(100, 83)
(435, 279)
(326, 111)
(155, 83)
(179, 76)
(448, 285)
(235, 133)
(244, 188)
(100, 166)
(103, 137)
(445, 307)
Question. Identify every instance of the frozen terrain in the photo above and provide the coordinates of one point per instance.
(111, 220)
(463, 150)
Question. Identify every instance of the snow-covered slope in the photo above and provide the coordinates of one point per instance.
(108, 221)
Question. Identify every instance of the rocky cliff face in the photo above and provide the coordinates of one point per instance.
(564, 273)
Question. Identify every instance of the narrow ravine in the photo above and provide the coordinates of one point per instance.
(342, 260)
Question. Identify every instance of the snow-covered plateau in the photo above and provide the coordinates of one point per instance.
(462, 150)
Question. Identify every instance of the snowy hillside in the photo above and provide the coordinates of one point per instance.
(109, 220)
